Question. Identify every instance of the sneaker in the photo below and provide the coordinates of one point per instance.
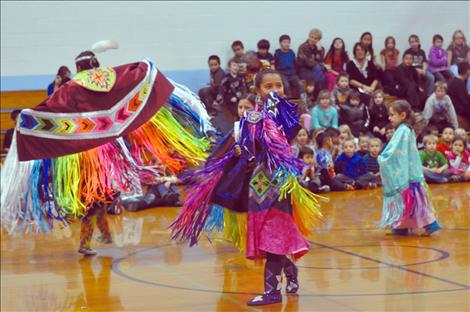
(431, 228)
(400, 232)
(104, 240)
(324, 189)
(87, 251)
(265, 299)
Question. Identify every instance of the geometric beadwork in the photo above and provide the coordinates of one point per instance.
(97, 122)
(260, 184)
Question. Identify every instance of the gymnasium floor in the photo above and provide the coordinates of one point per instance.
(353, 265)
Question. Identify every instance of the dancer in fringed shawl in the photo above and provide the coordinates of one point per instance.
(250, 193)
(68, 159)
(407, 204)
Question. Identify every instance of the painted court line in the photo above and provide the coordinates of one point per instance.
(392, 265)
(117, 270)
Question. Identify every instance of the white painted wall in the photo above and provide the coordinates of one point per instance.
(38, 37)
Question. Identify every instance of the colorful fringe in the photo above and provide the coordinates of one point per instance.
(163, 137)
(412, 202)
(305, 206)
(36, 192)
(190, 104)
(197, 206)
(198, 213)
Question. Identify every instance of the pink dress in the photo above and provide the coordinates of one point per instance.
(458, 165)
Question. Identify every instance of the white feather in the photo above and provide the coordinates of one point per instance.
(104, 45)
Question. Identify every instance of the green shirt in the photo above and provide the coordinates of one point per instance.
(435, 160)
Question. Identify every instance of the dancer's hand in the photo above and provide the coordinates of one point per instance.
(238, 150)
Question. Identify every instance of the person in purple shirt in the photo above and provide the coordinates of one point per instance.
(438, 59)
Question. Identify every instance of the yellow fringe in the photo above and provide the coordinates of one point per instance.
(176, 136)
(66, 184)
(235, 228)
(305, 206)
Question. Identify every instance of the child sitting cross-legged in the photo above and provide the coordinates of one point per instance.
(372, 164)
(351, 168)
(310, 178)
(434, 163)
(459, 161)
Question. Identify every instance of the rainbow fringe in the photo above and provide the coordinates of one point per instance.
(198, 213)
(63, 188)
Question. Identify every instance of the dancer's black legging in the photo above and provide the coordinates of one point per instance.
(285, 263)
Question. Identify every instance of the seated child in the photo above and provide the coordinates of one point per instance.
(363, 145)
(162, 194)
(336, 148)
(462, 133)
(324, 115)
(341, 92)
(232, 88)
(426, 131)
(310, 179)
(263, 52)
(372, 164)
(459, 160)
(446, 140)
(434, 162)
(378, 114)
(301, 140)
(284, 59)
(351, 168)
(389, 131)
(439, 110)
(355, 114)
(326, 165)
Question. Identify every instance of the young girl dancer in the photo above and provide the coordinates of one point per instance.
(406, 200)
(251, 194)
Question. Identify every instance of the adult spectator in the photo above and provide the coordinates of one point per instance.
(310, 57)
(363, 75)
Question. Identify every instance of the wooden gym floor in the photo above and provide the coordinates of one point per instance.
(353, 265)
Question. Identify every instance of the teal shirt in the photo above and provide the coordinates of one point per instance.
(400, 163)
(324, 119)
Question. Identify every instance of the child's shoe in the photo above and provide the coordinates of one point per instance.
(87, 251)
(431, 228)
(272, 284)
(324, 189)
(265, 299)
(400, 232)
(104, 239)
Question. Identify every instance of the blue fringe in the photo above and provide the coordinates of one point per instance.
(187, 111)
(215, 219)
(33, 191)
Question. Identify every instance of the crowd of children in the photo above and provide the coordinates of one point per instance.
(342, 162)
(357, 84)
(343, 106)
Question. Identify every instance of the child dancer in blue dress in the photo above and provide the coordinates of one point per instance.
(407, 205)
